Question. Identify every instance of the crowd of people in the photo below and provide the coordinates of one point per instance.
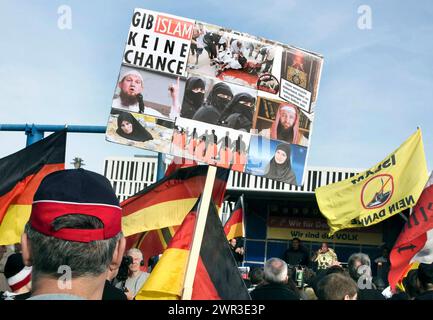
(301, 276)
(226, 52)
(73, 248)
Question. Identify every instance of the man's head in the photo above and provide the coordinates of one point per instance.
(288, 115)
(75, 224)
(336, 286)
(425, 276)
(324, 247)
(137, 258)
(359, 264)
(256, 275)
(131, 83)
(233, 242)
(296, 243)
(276, 271)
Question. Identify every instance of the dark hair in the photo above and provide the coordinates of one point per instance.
(256, 275)
(85, 259)
(336, 286)
(410, 284)
(335, 269)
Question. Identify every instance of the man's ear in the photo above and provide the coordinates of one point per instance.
(118, 254)
(25, 247)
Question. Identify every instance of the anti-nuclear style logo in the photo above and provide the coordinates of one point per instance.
(377, 191)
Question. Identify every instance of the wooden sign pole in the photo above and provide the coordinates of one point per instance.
(198, 233)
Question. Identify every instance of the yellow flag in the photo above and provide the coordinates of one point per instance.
(382, 191)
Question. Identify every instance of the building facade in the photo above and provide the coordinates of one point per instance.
(275, 212)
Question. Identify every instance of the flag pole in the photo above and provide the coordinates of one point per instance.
(198, 233)
(244, 225)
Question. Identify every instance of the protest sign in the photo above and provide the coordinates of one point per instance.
(216, 96)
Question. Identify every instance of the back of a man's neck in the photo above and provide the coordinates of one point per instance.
(90, 288)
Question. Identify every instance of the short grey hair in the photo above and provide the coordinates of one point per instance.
(363, 259)
(85, 259)
(275, 271)
(135, 250)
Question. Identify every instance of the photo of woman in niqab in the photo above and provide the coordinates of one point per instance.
(280, 168)
(193, 97)
(239, 113)
(129, 128)
(217, 100)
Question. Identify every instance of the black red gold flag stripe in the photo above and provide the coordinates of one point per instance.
(217, 276)
(21, 174)
(234, 226)
(167, 202)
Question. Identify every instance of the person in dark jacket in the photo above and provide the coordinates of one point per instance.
(193, 97)
(237, 250)
(275, 286)
(359, 266)
(216, 102)
(425, 280)
(238, 114)
(296, 254)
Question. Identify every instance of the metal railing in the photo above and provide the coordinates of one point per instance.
(315, 177)
(129, 175)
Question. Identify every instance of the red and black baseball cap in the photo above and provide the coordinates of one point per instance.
(76, 191)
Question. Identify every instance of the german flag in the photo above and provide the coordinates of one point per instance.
(179, 163)
(151, 243)
(217, 276)
(21, 174)
(167, 202)
(234, 226)
(154, 242)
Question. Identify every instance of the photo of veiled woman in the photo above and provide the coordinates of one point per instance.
(280, 167)
(129, 128)
(138, 130)
(222, 104)
(276, 160)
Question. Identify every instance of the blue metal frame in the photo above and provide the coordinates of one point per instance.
(35, 132)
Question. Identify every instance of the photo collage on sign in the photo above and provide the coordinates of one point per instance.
(216, 96)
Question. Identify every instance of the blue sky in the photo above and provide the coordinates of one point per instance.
(376, 86)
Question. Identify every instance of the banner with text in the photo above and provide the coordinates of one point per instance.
(215, 95)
